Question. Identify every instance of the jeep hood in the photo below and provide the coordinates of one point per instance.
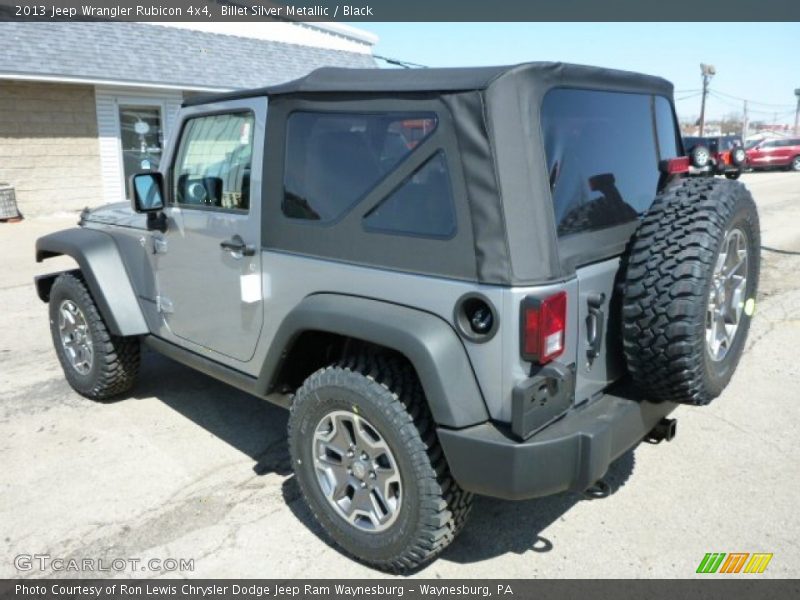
(117, 213)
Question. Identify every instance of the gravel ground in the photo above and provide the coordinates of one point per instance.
(189, 468)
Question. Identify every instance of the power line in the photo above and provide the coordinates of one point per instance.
(400, 63)
(761, 111)
(752, 101)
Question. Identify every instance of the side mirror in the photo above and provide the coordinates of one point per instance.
(147, 192)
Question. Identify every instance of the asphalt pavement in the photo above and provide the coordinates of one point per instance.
(189, 469)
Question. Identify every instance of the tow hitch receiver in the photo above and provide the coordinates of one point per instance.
(664, 430)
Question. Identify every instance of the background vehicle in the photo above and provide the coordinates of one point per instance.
(772, 154)
(502, 305)
(726, 153)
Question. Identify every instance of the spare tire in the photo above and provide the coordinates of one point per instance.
(690, 289)
(738, 156)
(700, 156)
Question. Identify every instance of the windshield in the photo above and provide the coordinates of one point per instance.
(752, 144)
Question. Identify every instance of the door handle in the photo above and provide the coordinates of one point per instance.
(595, 324)
(236, 244)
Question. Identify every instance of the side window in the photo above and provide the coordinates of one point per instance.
(665, 128)
(421, 206)
(333, 159)
(601, 157)
(212, 167)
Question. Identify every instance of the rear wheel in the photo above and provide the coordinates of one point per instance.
(690, 290)
(796, 163)
(96, 364)
(369, 465)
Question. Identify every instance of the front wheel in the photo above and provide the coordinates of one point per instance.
(96, 363)
(369, 465)
(796, 163)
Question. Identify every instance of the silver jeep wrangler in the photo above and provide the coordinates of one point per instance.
(459, 281)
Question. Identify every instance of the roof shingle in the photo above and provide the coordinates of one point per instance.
(153, 54)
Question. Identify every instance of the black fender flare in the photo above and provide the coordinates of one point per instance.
(427, 341)
(103, 270)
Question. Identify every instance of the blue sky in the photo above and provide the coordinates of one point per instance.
(758, 61)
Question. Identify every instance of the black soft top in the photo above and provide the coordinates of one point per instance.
(339, 80)
(491, 134)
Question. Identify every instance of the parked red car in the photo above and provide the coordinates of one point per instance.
(770, 154)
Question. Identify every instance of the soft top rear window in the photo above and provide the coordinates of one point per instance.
(603, 150)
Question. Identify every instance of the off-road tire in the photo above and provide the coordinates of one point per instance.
(116, 359)
(385, 390)
(668, 283)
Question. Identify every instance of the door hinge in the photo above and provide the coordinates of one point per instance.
(159, 245)
(164, 305)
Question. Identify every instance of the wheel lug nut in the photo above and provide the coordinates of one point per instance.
(372, 475)
(363, 485)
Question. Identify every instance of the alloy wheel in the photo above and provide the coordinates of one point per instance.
(726, 297)
(75, 337)
(357, 471)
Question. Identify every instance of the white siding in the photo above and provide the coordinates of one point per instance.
(107, 101)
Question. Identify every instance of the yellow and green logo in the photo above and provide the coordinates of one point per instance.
(735, 562)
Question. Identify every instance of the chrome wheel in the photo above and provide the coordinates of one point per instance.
(726, 298)
(357, 471)
(701, 157)
(76, 339)
(796, 163)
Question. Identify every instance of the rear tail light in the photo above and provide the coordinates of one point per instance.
(675, 166)
(542, 328)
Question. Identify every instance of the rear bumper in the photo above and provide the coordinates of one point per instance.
(569, 455)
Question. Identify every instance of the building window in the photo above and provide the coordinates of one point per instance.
(141, 137)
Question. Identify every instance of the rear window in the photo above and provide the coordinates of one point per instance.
(691, 142)
(729, 143)
(603, 154)
(334, 159)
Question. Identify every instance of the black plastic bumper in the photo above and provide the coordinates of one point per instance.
(570, 454)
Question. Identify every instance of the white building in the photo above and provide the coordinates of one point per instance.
(84, 105)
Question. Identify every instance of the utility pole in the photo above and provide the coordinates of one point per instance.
(707, 71)
(797, 113)
(745, 124)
